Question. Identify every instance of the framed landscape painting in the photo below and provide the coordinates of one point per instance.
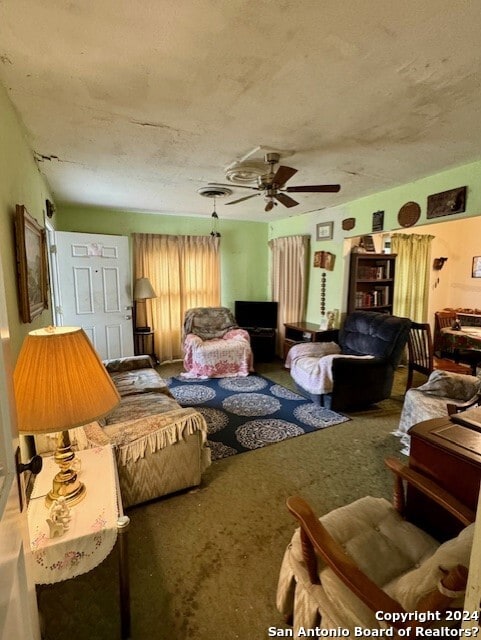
(31, 265)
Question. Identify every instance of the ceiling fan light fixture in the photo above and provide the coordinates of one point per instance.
(270, 204)
(245, 172)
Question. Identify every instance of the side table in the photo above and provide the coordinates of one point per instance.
(296, 332)
(449, 454)
(144, 344)
(97, 523)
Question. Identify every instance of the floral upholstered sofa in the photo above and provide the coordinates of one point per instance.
(160, 447)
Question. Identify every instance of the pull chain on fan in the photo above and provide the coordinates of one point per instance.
(215, 220)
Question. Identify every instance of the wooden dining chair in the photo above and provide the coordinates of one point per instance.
(421, 356)
(442, 320)
(469, 356)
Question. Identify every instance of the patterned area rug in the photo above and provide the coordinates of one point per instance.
(248, 413)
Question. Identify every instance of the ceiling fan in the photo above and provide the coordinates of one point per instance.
(272, 185)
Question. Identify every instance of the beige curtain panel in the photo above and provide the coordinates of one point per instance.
(184, 272)
(412, 274)
(289, 259)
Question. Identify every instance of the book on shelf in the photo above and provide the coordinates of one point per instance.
(382, 295)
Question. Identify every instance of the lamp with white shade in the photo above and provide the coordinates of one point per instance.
(61, 383)
(143, 291)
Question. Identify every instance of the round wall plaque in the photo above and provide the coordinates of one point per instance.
(348, 224)
(409, 214)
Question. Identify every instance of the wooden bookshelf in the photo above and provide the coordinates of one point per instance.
(371, 282)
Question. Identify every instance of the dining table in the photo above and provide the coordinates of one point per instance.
(466, 337)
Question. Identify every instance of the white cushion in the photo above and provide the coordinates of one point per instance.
(400, 558)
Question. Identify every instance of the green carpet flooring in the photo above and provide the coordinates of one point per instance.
(204, 563)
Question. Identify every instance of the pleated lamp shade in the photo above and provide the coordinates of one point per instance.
(60, 382)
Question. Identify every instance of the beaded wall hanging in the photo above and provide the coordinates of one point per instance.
(323, 295)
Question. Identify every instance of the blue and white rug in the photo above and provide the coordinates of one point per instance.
(248, 413)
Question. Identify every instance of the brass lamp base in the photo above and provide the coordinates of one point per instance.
(65, 483)
(72, 492)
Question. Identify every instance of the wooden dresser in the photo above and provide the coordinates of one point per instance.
(450, 454)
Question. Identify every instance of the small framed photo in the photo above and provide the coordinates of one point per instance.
(476, 267)
(378, 221)
(324, 230)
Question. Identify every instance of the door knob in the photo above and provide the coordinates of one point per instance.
(34, 465)
(128, 317)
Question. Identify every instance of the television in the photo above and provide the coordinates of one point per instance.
(253, 314)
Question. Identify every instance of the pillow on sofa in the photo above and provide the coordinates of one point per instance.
(457, 386)
(128, 363)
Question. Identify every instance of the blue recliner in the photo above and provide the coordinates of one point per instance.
(356, 382)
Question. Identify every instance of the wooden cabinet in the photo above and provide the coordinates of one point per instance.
(263, 343)
(296, 332)
(450, 454)
(371, 282)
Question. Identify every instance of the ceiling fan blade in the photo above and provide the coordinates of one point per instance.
(231, 185)
(315, 188)
(242, 199)
(286, 200)
(282, 175)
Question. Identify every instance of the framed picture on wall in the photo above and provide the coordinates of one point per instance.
(31, 265)
(324, 230)
(476, 272)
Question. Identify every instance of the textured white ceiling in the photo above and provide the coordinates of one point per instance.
(135, 105)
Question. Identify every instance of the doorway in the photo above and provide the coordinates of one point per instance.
(91, 288)
(453, 285)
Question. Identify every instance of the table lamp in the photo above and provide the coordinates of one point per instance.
(61, 383)
(143, 291)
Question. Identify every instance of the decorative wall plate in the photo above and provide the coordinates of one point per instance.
(348, 224)
(409, 214)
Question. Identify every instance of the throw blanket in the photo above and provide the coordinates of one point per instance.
(223, 357)
(209, 323)
(431, 399)
(132, 439)
(311, 365)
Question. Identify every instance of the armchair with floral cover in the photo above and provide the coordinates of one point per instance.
(214, 345)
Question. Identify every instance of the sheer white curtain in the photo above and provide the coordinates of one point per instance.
(412, 274)
(289, 259)
(184, 272)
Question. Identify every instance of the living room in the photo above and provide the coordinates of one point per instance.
(179, 581)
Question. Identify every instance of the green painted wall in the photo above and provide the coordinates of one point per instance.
(244, 251)
(390, 202)
(20, 183)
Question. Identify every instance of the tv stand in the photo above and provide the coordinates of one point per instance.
(263, 343)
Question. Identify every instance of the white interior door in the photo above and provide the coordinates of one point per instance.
(94, 289)
(18, 605)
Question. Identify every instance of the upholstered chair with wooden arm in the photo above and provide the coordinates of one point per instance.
(340, 570)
